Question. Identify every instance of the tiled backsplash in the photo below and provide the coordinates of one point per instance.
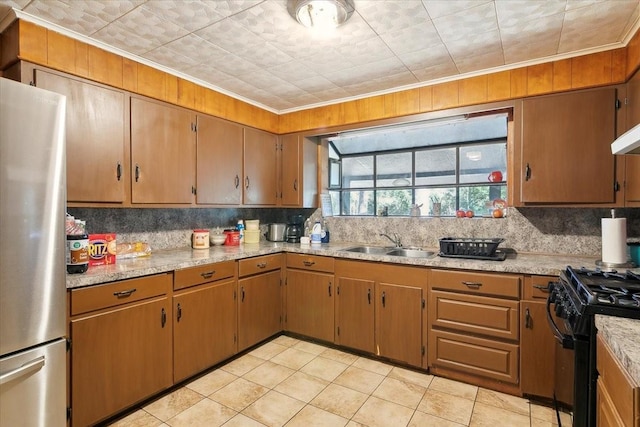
(574, 231)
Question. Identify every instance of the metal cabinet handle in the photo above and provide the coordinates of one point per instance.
(118, 171)
(163, 317)
(242, 294)
(246, 182)
(308, 263)
(527, 172)
(237, 181)
(472, 285)
(137, 172)
(208, 274)
(384, 298)
(527, 319)
(122, 294)
(329, 288)
(369, 296)
(24, 369)
(179, 315)
(295, 184)
(261, 265)
(545, 289)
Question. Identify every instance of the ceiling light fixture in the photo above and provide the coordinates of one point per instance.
(321, 14)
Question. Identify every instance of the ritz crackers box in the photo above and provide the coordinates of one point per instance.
(102, 249)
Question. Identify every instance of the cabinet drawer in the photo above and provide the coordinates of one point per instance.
(117, 293)
(618, 384)
(476, 356)
(473, 313)
(310, 262)
(503, 285)
(537, 287)
(259, 264)
(203, 274)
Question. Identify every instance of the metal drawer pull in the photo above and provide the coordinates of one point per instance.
(23, 370)
(237, 181)
(369, 296)
(261, 265)
(208, 274)
(122, 294)
(384, 298)
(329, 288)
(545, 289)
(179, 312)
(308, 263)
(472, 285)
(163, 317)
(242, 293)
(527, 319)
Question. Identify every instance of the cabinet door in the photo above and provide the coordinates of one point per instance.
(399, 323)
(118, 358)
(566, 148)
(606, 413)
(291, 177)
(355, 313)
(260, 171)
(95, 131)
(537, 350)
(204, 327)
(259, 309)
(219, 162)
(162, 153)
(632, 180)
(310, 309)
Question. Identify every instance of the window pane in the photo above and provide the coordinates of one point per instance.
(436, 167)
(478, 161)
(357, 172)
(480, 199)
(445, 196)
(393, 170)
(357, 202)
(397, 202)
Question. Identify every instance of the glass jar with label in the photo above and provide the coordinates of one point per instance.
(77, 253)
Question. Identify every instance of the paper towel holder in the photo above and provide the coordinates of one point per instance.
(610, 266)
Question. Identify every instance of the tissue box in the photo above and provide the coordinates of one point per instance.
(102, 249)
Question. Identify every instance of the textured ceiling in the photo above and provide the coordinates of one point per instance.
(253, 49)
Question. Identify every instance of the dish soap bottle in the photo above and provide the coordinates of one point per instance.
(240, 228)
(325, 232)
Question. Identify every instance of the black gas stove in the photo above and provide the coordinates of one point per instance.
(577, 297)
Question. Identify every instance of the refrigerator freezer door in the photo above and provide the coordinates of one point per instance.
(32, 387)
(32, 209)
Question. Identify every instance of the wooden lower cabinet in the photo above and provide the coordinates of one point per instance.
(121, 346)
(618, 396)
(259, 308)
(204, 327)
(355, 313)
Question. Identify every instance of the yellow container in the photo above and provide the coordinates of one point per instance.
(251, 236)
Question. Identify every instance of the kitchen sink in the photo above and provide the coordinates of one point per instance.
(391, 251)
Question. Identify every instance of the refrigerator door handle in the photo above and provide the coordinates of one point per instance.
(31, 366)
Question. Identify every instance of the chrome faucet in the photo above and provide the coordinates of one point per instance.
(395, 239)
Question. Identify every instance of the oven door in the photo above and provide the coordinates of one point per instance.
(564, 360)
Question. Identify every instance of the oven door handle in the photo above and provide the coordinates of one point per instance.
(565, 340)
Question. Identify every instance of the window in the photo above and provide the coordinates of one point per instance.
(443, 166)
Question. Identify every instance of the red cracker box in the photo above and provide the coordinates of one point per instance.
(102, 249)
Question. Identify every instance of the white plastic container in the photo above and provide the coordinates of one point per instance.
(251, 236)
(252, 224)
(316, 233)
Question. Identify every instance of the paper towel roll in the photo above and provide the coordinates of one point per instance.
(614, 240)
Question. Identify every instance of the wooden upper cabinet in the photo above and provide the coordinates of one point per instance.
(163, 150)
(260, 171)
(299, 172)
(632, 161)
(219, 162)
(95, 129)
(566, 148)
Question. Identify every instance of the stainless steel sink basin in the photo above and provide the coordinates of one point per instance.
(374, 250)
(411, 253)
(379, 250)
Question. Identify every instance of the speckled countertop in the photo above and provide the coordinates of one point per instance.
(623, 336)
(169, 260)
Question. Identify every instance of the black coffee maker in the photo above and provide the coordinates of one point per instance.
(294, 229)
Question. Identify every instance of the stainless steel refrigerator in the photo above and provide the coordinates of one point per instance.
(32, 261)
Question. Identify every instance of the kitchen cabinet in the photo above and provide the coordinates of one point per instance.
(205, 312)
(299, 172)
(379, 309)
(618, 397)
(310, 293)
(260, 168)
(218, 162)
(473, 325)
(121, 345)
(537, 342)
(95, 134)
(163, 150)
(566, 148)
(632, 180)
(260, 299)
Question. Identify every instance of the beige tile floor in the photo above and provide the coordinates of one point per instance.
(289, 382)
